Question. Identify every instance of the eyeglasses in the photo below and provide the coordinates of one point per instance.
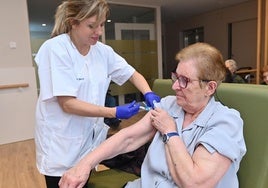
(183, 80)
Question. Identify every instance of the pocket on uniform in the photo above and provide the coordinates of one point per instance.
(64, 151)
(101, 132)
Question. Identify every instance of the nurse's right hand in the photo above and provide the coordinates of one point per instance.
(128, 110)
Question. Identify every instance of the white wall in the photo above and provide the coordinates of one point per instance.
(17, 105)
(215, 25)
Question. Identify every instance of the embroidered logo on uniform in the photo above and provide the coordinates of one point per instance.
(80, 78)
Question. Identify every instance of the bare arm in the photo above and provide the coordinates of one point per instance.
(73, 105)
(140, 83)
(202, 170)
(126, 140)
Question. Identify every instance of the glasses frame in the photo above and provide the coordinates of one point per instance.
(183, 80)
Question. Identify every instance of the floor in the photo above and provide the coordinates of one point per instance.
(17, 163)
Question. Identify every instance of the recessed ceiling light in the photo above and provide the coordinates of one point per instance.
(109, 21)
(44, 25)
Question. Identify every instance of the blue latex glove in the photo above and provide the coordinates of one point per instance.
(150, 98)
(127, 110)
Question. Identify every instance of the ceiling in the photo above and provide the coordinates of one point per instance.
(42, 11)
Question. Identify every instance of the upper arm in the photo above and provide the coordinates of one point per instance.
(212, 166)
(65, 101)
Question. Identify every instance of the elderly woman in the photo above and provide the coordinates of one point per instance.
(196, 141)
(232, 66)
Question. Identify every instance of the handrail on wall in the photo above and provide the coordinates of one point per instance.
(11, 86)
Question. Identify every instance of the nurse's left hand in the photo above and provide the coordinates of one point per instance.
(151, 98)
(74, 178)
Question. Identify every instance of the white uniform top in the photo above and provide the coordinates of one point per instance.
(62, 139)
(217, 128)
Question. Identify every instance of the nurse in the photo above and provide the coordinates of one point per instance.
(75, 71)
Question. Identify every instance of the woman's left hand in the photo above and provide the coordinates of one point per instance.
(162, 121)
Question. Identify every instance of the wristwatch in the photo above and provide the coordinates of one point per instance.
(167, 136)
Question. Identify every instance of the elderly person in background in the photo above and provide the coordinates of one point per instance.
(264, 73)
(232, 66)
(196, 141)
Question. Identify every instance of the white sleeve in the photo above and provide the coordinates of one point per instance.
(55, 71)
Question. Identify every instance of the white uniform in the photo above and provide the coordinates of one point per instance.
(62, 139)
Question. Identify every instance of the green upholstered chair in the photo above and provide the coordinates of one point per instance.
(252, 102)
(111, 178)
(162, 87)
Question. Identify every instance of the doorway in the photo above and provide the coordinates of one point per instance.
(243, 32)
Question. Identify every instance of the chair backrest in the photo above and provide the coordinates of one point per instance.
(252, 103)
(162, 87)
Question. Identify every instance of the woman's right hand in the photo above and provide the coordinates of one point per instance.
(75, 177)
(162, 121)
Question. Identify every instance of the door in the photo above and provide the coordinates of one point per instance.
(244, 32)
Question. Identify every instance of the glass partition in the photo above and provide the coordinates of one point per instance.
(131, 31)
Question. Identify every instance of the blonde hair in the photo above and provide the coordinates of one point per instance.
(208, 60)
(74, 11)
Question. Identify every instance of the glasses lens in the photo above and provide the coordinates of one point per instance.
(183, 81)
(173, 77)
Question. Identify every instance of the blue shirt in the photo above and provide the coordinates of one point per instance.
(218, 128)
